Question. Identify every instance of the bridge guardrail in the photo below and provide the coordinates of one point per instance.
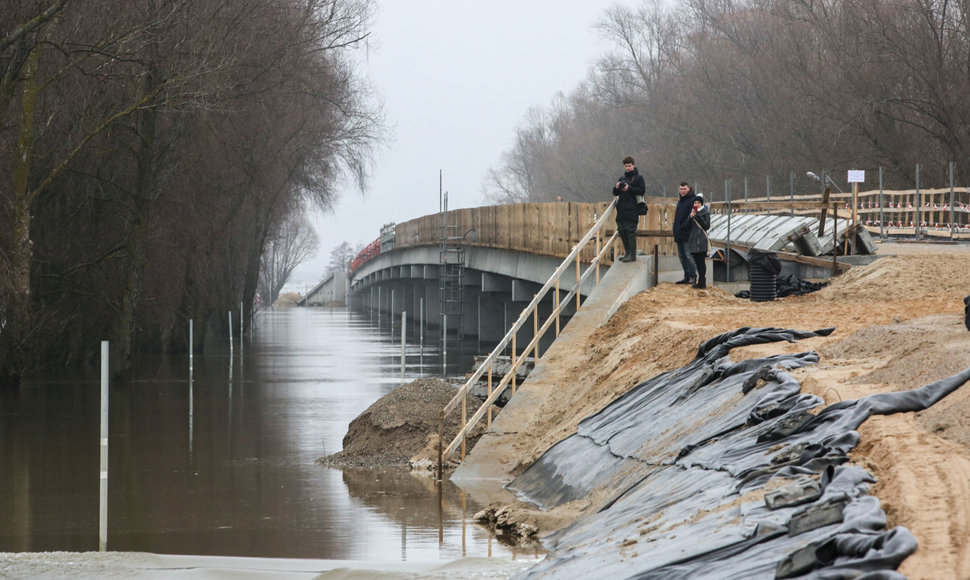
(600, 251)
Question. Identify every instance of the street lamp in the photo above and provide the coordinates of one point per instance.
(827, 178)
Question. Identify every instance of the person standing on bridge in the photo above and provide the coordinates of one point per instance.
(697, 243)
(682, 227)
(628, 187)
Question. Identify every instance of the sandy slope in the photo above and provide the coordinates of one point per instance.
(899, 326)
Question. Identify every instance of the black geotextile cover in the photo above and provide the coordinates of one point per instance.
(767, 261)
(790, 285)
(966, 312)
(687, 457)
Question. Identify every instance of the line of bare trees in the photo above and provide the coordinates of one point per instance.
(151, 151)
(764, 90)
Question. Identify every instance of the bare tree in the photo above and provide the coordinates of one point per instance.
(341, 257)
(711, 90)
(144, 166)
(292, 244)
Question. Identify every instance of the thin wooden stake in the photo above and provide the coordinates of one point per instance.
(441, 437)
(578, 305)
(489, 395)
(557, 308)
(535, 332)
(514, 361)
(598, 253)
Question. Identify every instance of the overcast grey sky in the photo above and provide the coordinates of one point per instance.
(456, 80)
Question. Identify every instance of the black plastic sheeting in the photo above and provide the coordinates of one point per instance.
(768, 261)
(692, 458)
(790, 285)
(966, 312)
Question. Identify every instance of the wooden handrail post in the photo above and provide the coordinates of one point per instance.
(515, 358)
(597, 254)
(535, 333)
(557, 307)
(441, 439)
(489, 395)
(835, 240)
(578, 305)
(464, 422)
(855, 217)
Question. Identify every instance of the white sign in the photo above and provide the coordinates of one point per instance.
(857, 176)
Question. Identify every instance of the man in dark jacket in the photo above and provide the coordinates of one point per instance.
(682, 227)
(627, 188)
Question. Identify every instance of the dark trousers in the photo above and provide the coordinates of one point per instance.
(700, 260)
(686, 260)
(627, 232)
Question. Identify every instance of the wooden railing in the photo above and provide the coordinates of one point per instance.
(598, 252)
(550, 229)
(937, 213)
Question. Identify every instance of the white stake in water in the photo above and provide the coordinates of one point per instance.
(103, 503)
(241, 327)
(403, 322)
(191, 349)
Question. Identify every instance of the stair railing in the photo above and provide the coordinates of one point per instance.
(531, 310)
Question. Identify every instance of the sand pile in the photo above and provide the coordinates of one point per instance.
(401, 424)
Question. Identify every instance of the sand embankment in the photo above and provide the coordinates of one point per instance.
(899, 325)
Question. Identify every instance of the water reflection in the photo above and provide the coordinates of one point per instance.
(223, 464)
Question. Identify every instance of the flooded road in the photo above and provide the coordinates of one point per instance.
(224, 464)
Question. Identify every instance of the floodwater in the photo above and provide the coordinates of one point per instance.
(224, 464)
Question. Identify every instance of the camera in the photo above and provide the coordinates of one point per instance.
(623, 183)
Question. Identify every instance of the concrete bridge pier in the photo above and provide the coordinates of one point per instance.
(490, 315)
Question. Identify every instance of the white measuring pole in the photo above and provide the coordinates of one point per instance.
(403, 323)
(103, 502)
(191, 348)
(241, 327)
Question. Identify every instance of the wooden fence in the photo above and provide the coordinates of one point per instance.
(550, 229)
(939, 213)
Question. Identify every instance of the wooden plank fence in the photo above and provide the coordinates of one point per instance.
(550, 229)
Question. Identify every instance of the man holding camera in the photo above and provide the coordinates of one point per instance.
(627, 188)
